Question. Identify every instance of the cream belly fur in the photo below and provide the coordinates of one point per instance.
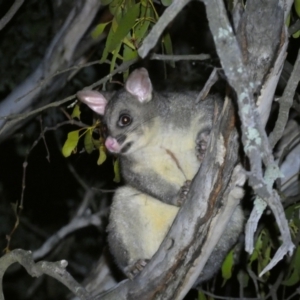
(145, 224)
(171, 154)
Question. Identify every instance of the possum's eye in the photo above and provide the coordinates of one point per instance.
(124, 120)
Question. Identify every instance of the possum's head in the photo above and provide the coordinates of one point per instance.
(128, 114)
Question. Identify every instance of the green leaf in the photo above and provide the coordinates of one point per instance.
(126, 23)
(98, 30)
(294, 276)
(102, 155)
(76, 112)
(265, 258)
(288, 20)
(257, 249)
(115, 7)
(141, 30)
(297, 7)
(115, 56)
(243, 279)
(128, 54)
(201, 296)
(70, 143)
(117, 171)
(293, 279)
(296, 34)
(128, 42)
(168, 47)
(88, 141)
(96, 143)
(227, 266)
(166, 2)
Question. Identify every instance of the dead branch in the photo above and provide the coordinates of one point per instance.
(56, 270)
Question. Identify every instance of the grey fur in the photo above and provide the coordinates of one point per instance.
(176, 110)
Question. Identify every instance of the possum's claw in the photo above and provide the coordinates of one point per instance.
(136, 268)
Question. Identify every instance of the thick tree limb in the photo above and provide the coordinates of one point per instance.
(240, 71)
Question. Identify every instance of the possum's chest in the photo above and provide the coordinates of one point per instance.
(171, 154)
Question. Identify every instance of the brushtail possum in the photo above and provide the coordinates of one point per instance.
(160, 140)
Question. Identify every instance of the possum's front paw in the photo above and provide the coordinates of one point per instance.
(182, 194)
(201, 144)
(134, 269)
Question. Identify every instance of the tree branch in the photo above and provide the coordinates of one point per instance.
(59, 55)
(285, 102)
(56, 270)
(240, 77)
(11, 12)
(169, 14)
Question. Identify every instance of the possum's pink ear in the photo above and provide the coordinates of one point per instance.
(139, 85)
(94, 100)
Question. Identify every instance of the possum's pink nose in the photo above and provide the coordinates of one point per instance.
(112, 145)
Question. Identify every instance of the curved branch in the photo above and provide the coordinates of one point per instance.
(56, 270)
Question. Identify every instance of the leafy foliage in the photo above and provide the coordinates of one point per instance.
(130, 24)
(89, 142)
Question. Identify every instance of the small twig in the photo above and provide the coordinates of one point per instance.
(78, 178)
(254, 279)
(286, 101)
(51, 76)
(213, 77)
(124, 66)
(155, 56)
(81, 210)
(11, 12)
(19, 207)
(44, 140)
(288, 148)
(274, 287)
(75, 224)
(297, 292)
(18, 117)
